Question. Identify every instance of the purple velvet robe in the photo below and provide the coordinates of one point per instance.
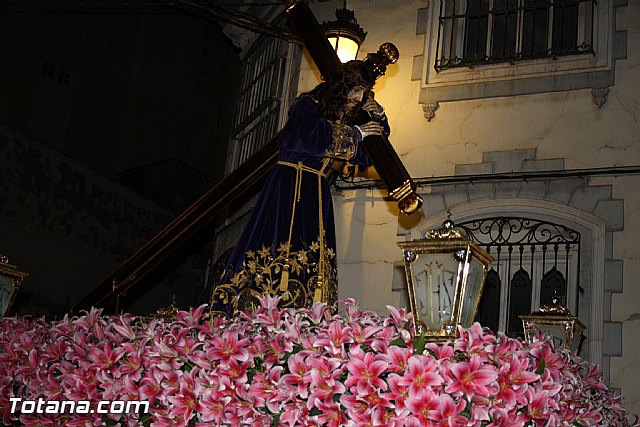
(288, 247)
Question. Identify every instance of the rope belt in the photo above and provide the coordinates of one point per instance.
(321, 292)
(301, 166)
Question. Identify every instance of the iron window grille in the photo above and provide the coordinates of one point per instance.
(534, 259)
(476, 32)
(266, 89)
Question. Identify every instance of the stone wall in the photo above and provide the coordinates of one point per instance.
(68, 227)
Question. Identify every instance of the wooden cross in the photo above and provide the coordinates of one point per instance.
(394, 175)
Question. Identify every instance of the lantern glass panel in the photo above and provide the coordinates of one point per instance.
(7, 289)
(473, 283)
(436, 277)
(10, 280)
(556, 332)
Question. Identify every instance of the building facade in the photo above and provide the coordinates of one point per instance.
(519, 111)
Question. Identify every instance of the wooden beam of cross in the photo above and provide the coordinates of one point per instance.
(394, 175)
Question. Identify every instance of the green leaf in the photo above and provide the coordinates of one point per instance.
(188, 366)
(275, 420)
(399, 342)
(460, 357)
(419, 343)
(145, 420)
(108, 421)
(467, 411)
(541, 367)
(315, 411)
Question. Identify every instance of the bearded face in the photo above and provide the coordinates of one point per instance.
(355, 100)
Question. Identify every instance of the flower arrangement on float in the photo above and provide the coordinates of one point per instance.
(306, 367)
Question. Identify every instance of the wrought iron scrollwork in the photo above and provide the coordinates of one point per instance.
(502, 231)
(521, 246)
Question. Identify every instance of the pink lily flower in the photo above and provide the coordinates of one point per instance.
(513, 379)
(334, 339)
(470, 378)
(365, 370)
(228, 346)
(299, 376)
(184, 401)
(332, 415)
(398, 358)
(422, 373)
(423, 406)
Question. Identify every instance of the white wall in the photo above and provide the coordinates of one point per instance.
(561, 125)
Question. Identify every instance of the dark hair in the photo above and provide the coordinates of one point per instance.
(331, 95)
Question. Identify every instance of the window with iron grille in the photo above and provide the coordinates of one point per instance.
(267, 87)
(533, 261)
(480, 49)
(476, 32)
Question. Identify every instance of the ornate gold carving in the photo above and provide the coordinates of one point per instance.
(262, 274)
(448, 231)
(410, 204)
(401, 192)
(408, 200)
(387, 54)
(167, 313)
(555, 308)
(343, 146)
(10, 281)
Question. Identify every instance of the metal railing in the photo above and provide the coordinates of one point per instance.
(476, 32)
(535, 259)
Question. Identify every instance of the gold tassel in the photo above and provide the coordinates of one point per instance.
(284, 279)
(318, 295)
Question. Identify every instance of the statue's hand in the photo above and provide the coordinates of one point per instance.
(370, 128)
(372, 107)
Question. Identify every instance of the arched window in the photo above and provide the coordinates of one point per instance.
(489, 309)
(536, 260)
(553, 284)
(519, 302)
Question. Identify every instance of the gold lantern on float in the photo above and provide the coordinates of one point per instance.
(445, 273)
(10, 280)
(556, 322)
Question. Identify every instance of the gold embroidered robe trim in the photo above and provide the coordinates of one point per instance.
(262, 271)
(344, 145)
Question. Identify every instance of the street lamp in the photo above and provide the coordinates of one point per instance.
(344, 34)
(445, 272)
